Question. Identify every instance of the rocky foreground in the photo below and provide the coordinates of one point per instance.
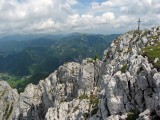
(124, 85)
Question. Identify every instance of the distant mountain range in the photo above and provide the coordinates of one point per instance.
(44, 54)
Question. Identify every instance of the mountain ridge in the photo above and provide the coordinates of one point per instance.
(124, 85)
(32, 60)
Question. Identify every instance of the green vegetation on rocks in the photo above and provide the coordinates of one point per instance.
(75, 108)
(123, 68)
(133, 114)
(154, 37)
(84, 96)
(153, 53)
(93, 104)
(95, 57)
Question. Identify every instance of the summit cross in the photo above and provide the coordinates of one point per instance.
(139, 21)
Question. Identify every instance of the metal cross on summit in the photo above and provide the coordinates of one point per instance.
(139, 21)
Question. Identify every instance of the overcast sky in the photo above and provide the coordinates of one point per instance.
(86, 16)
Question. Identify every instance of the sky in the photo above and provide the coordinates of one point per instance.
(84, 16)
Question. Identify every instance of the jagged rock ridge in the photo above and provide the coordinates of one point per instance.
(124, 85)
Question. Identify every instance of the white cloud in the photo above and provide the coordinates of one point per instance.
(90, 20)
(67, 15)
(71, 2)
(127, 12)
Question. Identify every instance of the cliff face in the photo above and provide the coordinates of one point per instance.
(124, 85)
(129, 79)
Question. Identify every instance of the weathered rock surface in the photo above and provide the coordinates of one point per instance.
(130, 82)
(8, 101)
(125, 84)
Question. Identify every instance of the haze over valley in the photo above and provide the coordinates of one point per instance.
(25, 61)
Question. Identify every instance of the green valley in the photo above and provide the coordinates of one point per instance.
(24, 62)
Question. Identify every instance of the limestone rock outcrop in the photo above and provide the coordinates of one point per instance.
(125, 84)
(8, 101)
(69, 92)
(129, 79)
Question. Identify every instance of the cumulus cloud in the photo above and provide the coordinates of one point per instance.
(127, 12)
(49, 16)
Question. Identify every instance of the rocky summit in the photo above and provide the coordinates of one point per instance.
(124, 85)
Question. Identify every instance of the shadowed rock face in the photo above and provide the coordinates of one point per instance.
(126, 83)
